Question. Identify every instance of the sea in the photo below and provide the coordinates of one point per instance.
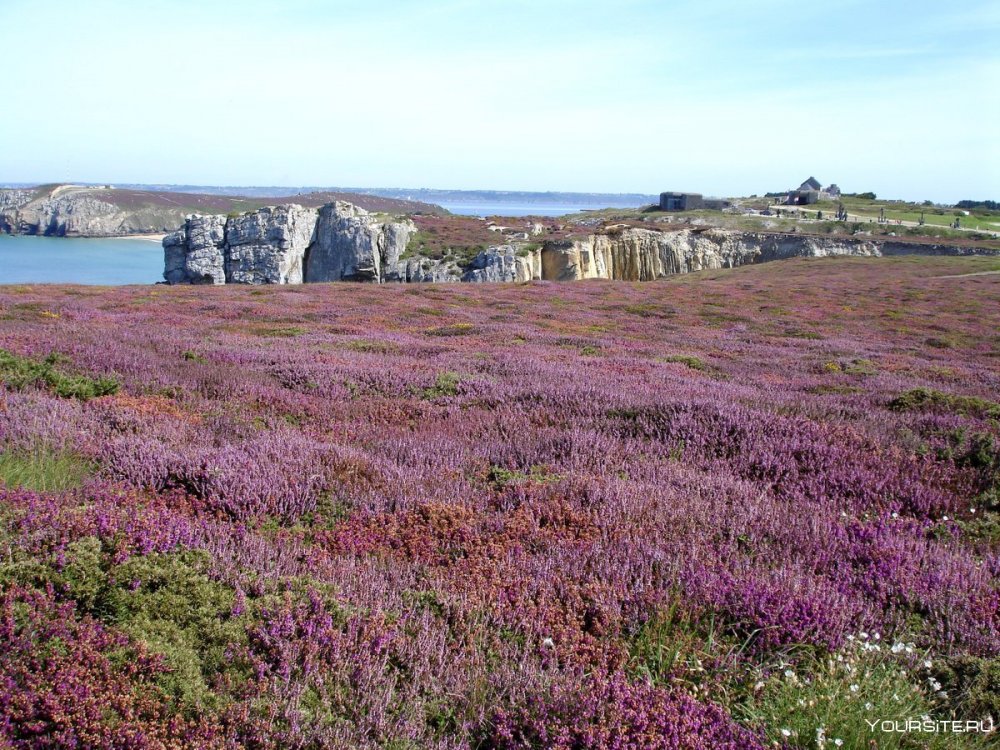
(509, 209)
(75, 260)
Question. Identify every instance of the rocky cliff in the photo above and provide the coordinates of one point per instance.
(71, 211)
(289, 244)
(341, 242)
(631, 254)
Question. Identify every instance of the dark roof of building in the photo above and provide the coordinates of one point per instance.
(811, 184)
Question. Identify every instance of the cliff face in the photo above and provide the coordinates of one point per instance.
(68, 211)
(287, 244)
(291, 245)
(643, 255)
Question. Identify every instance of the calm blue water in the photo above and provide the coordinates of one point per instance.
(59, 260)
(511, 209)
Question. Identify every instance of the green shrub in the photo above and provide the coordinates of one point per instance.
(446, 384)
(693, 363)
(917, 399)
(166, 601)
(371, 347)
(972, 684)
(19, 373)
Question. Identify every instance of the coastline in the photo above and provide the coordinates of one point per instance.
(149, 237)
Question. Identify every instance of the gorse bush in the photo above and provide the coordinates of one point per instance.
(18, 373)
(928, 398)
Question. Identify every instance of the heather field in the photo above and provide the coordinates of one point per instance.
(731, 510)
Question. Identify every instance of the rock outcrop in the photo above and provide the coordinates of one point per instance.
(195, 254)
(268, 246)
(350, 246)
(505, 263)
(287, 244)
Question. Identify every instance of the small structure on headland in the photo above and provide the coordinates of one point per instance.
(681, 201)
(811, 191)
(671, 201)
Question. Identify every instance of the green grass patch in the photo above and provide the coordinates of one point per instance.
(826, 699)
(282, 332)
(43, 470)
(674, 647)
(650, 310)
(456, 329)
(19, 373)
(498, 477)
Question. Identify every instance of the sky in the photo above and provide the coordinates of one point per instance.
(722, 97)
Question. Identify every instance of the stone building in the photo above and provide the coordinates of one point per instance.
(681, 201)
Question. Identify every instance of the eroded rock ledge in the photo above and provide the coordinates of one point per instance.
(290, 244)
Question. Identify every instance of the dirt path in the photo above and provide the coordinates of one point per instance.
(967, 275)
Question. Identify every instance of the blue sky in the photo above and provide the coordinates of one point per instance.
(718, 96)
